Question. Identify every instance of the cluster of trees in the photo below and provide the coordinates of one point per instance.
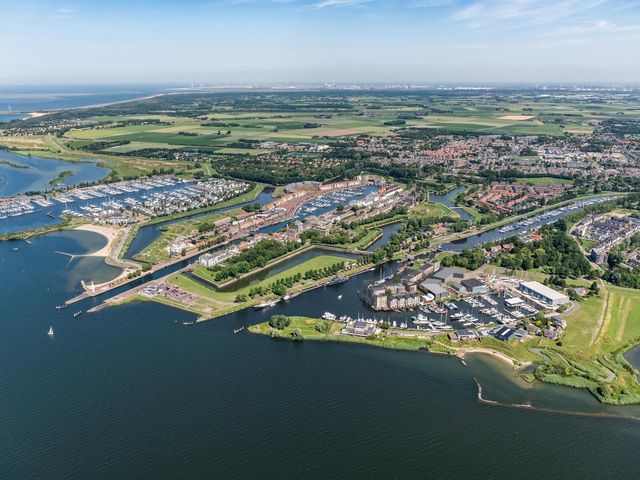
(617, 273)
(99, 146)
(623, 277)
(556, 254)
(264, 169)
(337, 237)
(282, 285)
(621, 127)
(323, 326)
(256, 257)
(252, 208)
(470, 259)
(135, 274)
(395, 123)
(220, 124)
(279, 322)
(206, 227)
(379, 217)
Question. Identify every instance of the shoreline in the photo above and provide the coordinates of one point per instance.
(111, 234)
(462, 352)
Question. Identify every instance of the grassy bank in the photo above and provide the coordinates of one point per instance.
(61, 176)
(67, 223)
(328, 331)
(318, 263)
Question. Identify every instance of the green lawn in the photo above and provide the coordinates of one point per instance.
(424, 209)
(603, 323)
(307, 327)
(316, 263)
(541, 180)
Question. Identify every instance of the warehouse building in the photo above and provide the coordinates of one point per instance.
(543, 293)
(433, 288)
(472, 285)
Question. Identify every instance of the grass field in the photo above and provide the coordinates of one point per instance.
(424, 209)
(542, 180)
(604, 322)
(316, 263)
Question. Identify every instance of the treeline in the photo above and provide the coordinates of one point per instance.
(282, 285)
(621, 127)
(511, 174)
(265, 170)
(99, 146)
(256, 257)
(379, 217)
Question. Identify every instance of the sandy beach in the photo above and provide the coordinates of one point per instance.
(462, 352)
(110, 233)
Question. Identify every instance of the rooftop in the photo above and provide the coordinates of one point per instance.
(549, 293)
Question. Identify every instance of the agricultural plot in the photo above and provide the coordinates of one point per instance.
(604, 322)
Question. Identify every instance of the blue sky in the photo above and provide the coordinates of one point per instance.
(162, 41)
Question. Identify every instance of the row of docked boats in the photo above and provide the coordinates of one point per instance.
(556, 212)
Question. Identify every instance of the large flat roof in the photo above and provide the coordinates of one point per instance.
(434, 288)
(544, 290)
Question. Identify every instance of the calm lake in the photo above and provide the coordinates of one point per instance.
(21, 173)
(130, 392)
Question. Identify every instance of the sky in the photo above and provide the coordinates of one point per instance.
(45, 42)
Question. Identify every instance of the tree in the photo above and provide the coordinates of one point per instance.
(279, 289)
(279, 322)
(323, 327)
(296, 335)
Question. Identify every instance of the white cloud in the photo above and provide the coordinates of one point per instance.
(528, 12)
(64, 13)
(338, 3)
(601, 26)
(430, 3)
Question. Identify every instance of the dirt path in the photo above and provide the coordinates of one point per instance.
(605, 316)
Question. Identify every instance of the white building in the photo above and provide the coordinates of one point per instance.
(543, 293)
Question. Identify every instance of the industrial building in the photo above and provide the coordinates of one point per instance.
(543, 293)
(472, 285)
(433, 288)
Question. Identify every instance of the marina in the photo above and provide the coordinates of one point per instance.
(523, 226)
(120, 203)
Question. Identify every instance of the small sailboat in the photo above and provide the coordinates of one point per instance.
(339, 297)
(50, 332)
